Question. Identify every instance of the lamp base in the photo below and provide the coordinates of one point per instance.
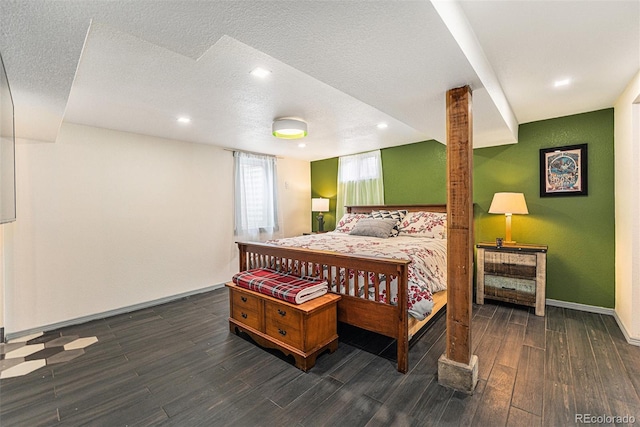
(507, 235)
(320, 222)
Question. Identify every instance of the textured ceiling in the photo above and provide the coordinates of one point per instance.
(343, 66)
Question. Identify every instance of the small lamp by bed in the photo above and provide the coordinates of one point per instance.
(320, 205)
(508, 204)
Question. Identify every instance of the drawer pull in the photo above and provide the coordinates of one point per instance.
(244, 315)
(282, 312)
(508, 263)
(509, 289)
(244, 299)
(282, 332)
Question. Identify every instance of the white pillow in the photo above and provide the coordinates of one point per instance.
(424, 224)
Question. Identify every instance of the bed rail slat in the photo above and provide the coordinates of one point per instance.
(376, 285)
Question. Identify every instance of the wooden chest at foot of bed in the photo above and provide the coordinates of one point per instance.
(303, 331)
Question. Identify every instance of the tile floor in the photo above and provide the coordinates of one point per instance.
(26, 354)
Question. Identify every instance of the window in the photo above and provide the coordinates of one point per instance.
(359, 181)
(256, 201)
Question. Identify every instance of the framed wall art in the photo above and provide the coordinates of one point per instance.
(563, 171)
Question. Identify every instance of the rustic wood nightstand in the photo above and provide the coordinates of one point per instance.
(512, 273)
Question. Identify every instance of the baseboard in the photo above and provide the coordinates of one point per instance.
(598, 310)
(632, 341)
(109, 313)
(580, 307)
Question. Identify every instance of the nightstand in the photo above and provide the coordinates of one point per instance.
(512, 273)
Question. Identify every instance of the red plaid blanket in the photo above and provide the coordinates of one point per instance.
(288, 287)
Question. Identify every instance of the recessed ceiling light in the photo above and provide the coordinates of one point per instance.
(563, 82)
(260, 72)
(184, 120)
(302, 145)
(382, 125)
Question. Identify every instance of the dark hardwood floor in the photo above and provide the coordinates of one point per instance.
(177, 364)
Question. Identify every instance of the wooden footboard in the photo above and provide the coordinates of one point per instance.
(373, 315)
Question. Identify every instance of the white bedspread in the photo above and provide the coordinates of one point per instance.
(427, 271)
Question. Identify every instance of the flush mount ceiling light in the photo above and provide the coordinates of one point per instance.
(289, 128)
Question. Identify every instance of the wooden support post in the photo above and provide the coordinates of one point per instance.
(457, 368)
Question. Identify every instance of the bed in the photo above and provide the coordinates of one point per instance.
(379, 293)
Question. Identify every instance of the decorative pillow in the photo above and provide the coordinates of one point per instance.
(397, 215)
(373, 227)
(348, 221)
(425, 224)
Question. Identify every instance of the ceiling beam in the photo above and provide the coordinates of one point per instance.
(456, 22)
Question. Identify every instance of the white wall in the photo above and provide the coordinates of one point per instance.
(627, 177)
(294, 193)
(2, 280)
(108, 220)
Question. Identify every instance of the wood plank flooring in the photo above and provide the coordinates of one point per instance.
(178, 365)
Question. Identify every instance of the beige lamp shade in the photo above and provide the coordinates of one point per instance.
(319, 205)
(508, 204)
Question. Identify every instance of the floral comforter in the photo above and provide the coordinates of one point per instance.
(427, 272)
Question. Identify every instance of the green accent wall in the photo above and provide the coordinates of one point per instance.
(324, 183)
(415, 173)
(579, 230)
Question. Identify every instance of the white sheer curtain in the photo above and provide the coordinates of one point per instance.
(256, 196)
(359, 181)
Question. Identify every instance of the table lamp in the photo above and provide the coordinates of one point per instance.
(320, 205)
(508, 204)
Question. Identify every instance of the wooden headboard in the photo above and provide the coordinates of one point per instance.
(410, 208)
